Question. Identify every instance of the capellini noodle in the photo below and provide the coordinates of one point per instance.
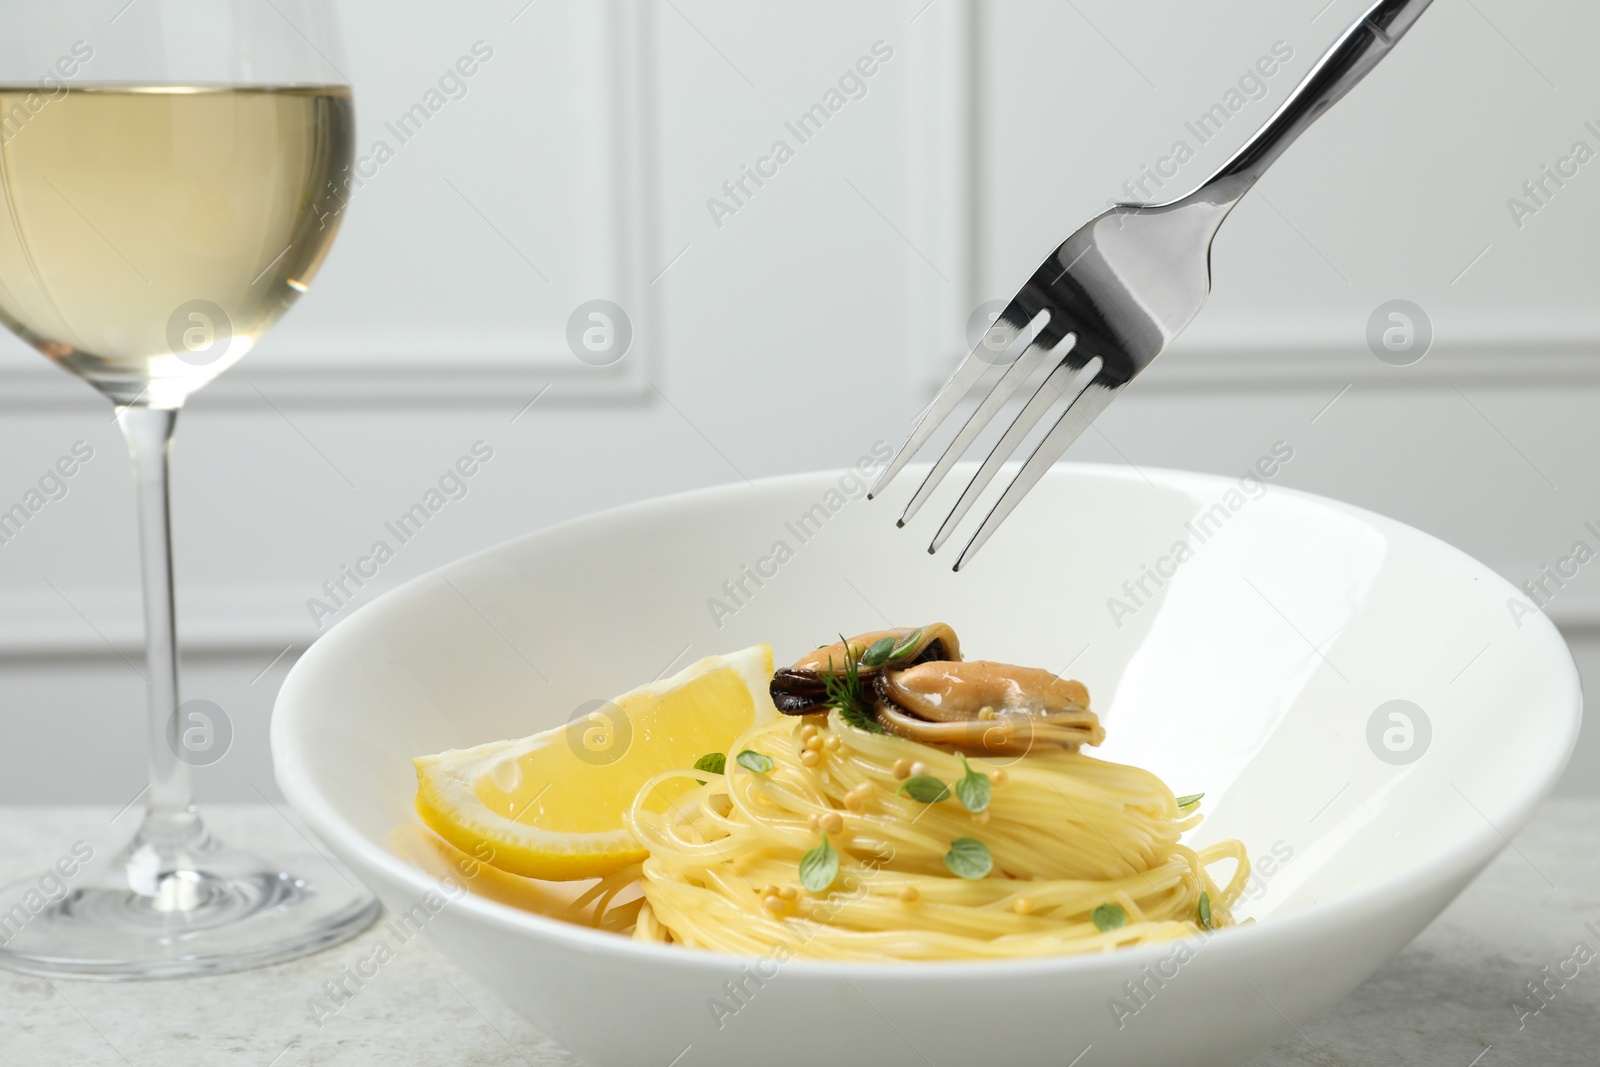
(1068, 834)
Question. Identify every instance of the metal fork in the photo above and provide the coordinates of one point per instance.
(1115, 294)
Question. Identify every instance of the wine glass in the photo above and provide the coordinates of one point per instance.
(172, 173)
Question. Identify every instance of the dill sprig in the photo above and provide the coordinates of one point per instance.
(847, 694)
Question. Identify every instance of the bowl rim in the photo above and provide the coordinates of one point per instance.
(1437, 870)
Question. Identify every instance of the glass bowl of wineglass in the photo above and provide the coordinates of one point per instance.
(173, 175)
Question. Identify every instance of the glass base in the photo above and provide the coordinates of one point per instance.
(166, 909)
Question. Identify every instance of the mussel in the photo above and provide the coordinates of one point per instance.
(914, 684)
(802, 689)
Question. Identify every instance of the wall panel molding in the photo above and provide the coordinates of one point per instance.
(1505, 361)
(478, 359)
(40, 625)
(261, 623)
(946, 204)
(1291, 364)
(941, 185)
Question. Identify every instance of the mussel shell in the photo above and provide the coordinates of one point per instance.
(797, 692)
(800, 690)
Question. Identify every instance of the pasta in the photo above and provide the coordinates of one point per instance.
(885, 799)
(1085, 853)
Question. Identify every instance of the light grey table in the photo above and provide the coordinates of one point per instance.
(1448, 1000)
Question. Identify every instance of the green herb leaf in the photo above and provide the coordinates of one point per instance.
(877, 652)
(715, 762)
(924, 788)
(751, 760)
(974, 789)
(969, 858)
(849, 696)
(1192, 798)
(907, 643)
(1205, 911)
(1109, 917)
(819, 867)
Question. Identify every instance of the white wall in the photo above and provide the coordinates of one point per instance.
(821, 315)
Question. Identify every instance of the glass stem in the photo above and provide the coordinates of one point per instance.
(170, 816)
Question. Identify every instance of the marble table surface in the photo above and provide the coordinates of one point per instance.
(1450, 999)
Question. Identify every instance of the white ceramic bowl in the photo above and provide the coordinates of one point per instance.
(1260, 670)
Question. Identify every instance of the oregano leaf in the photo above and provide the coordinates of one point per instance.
(969, 858)
(924, 789)
(1109, 917)
(751, 760)
(907, 643)
(973, 789)
(877, 653)
(819, 867)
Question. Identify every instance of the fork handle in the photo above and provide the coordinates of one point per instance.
(1363, 46)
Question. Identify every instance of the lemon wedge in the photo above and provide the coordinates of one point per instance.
(552, 805)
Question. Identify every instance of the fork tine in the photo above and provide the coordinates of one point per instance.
(1083, 410)
(1052, 389)
(1019, 371)
(951, 395)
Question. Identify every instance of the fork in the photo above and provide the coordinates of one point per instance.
(1114, 295)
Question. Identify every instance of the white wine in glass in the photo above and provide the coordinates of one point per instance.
(171, 183)
(156, 231)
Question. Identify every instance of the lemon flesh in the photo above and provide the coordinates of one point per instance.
(552, 805)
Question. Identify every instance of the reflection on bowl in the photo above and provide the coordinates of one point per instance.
(1353, 696)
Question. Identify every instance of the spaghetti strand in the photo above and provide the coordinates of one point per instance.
(1067, 833)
